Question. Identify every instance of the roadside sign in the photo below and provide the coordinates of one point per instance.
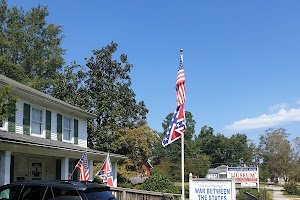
(205, 189)
(243, 174)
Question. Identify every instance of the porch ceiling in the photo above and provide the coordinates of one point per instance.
(40, 146)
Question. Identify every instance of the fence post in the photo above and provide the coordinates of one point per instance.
(124, 195)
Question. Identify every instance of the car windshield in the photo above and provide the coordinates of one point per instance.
(101, 195)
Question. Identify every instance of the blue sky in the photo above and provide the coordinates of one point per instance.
(241, 58)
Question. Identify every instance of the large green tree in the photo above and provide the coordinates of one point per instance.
(30, 48)
(169, 157)
(136, 144)
(233, 151)
(102, 87)
(7, 103)
(276, 153)
(111, 98)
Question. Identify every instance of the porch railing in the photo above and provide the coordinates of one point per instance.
(133, 194)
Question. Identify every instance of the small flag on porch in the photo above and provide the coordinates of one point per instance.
(82, 165)
(106, 173)
(177, 124)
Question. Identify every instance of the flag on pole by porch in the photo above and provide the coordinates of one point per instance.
(106, 173)
(82, 165)
(177, 124)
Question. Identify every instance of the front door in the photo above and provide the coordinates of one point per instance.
(36, 169)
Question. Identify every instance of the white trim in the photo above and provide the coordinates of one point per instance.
(41, 124)
(65, 168)
(71, 130)
(5, 167)
(4, 126)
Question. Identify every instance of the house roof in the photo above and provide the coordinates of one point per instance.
(34, 95)
(220, 169)
(48, 144)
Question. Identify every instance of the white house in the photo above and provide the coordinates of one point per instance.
(45, 139)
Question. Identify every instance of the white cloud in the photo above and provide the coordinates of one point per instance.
(277, 107)
(298, 101)
(265, 121)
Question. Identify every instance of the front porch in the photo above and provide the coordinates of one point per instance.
(26, 157)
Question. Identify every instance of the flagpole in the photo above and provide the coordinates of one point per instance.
(182, 152)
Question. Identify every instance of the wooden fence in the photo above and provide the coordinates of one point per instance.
(133, 194)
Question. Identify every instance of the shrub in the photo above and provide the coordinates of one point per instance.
(292, 188)
(159, 183)
(262, 194)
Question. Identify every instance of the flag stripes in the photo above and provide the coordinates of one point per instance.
(82, 165)
(180, 83)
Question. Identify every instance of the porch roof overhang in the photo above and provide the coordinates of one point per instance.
(21, 143)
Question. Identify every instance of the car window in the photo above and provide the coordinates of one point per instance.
(9, 192)
(67, 198)
(33, 192)
(101, 195)
(57, 192)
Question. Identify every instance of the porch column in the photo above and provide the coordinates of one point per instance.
(114, 169)
(65, 168)
(5, 167)
(91, 165)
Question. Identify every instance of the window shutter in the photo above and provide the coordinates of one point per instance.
(48, 124)
(12, 123)
(75, 131)
(26, 119)
(59, 127)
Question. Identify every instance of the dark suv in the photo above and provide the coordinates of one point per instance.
(55, 190)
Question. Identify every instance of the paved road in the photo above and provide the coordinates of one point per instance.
(278, 194)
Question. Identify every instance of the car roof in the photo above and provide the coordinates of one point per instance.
(83, 185)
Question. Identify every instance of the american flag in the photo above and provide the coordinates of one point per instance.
(106, 173)
(82, 165)
(180, 83)
(176, 127)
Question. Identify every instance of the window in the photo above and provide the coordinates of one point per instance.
(34, 192)
(36, 122)
(9, 192)
(67, 128)
(58, 192)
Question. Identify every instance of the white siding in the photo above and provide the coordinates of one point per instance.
(22, 165)
(82, 123)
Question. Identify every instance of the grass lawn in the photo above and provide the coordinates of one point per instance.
(292, 196)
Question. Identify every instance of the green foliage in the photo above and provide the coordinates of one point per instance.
(97, 179)
(159, 183)
(262, 194)
(222, 150)
(169, 158)
(136, 144)
(125, 185)
(30, 50)
(111, 98)
(7, 103)
(292, 188)
(276, 154)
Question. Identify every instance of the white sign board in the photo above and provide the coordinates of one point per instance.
(243, 174)
(211, 189)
